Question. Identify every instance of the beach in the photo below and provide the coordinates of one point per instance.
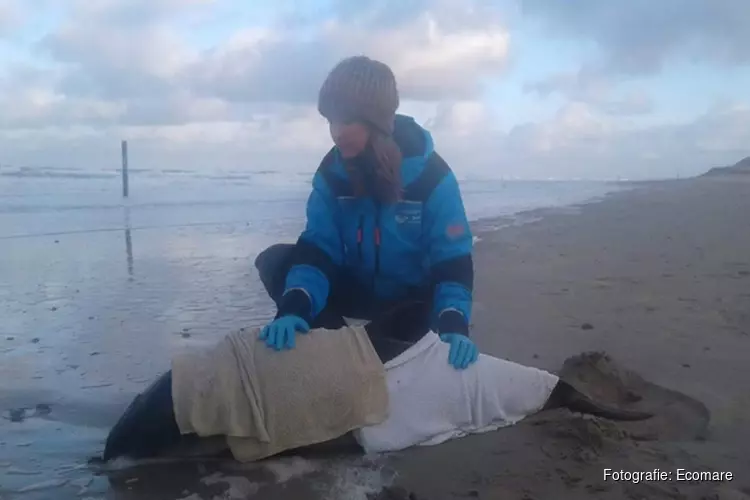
(659, 279)
(656, 276)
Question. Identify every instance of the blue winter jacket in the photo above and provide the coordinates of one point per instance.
(421, 242)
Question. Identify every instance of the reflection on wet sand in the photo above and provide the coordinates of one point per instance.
(81, 335)
(128, 242)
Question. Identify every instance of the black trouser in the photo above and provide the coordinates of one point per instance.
(348, 298)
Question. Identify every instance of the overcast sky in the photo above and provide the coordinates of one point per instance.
(525, 88)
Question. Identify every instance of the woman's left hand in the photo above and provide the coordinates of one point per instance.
(463, 351)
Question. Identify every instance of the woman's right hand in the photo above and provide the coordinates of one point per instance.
(279, 333)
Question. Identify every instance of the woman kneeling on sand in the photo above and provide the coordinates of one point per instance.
(385, 223)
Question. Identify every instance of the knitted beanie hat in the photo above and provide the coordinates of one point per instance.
(360, 88)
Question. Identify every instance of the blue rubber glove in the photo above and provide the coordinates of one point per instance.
(279, 333)
(463, 351)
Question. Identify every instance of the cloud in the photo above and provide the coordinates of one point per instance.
(126, 69)
(594, 87)
(580, 142)
(108, 54)
(115, 69)
(131, 14)
(635, 39)
(119, 62)
(118, 49)
(640, 36)
(9, 17)
(433, 56)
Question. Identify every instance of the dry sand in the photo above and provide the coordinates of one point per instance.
(652, 286)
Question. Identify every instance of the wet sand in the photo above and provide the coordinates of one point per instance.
(657, 278)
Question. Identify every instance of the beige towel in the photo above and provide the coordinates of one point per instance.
(267, 402)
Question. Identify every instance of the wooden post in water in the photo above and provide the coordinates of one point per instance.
(125, 169)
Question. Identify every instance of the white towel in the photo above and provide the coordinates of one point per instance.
(266, 402)
(432, 402)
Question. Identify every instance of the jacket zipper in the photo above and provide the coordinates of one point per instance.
(377, 246)
(377, 233)
(359, 236)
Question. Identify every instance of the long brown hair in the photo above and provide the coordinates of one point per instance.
(378, 171)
